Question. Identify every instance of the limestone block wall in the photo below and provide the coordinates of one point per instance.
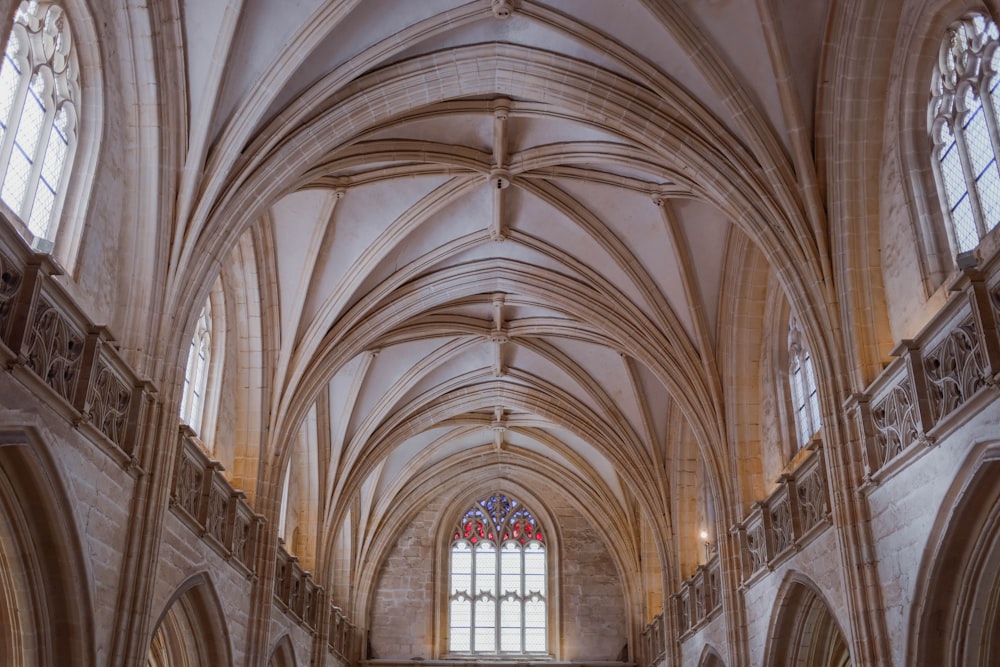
(905, 509)
(818, 563)
(402, 615)
(712, 634)
(593, 621)
(282, 624)
(94, 486)
(183, 556)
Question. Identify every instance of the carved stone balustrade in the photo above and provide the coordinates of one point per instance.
(699, 597)
(67, 360)
(344, 639)
(653, 645)
(948, 369)
(295, 591)
(696, 602)
(786, 520)
(205, 500)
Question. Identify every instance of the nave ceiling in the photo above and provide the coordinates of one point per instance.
(494, 247)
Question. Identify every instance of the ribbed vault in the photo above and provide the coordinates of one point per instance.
(463, 249)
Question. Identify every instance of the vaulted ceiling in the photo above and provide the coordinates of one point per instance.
(493, 235)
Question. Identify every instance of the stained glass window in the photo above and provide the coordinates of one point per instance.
(802, 382)
(39, 98)
(964, 129)
(497, 592)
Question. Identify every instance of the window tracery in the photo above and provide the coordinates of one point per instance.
(802, 382)
(39, 99)
(498, 603)
(964, 129)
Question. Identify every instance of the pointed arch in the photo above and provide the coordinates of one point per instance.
(710, 658)
(46, 613)
(956, 618)
(283, 654)
(803, 630)
(192, 630)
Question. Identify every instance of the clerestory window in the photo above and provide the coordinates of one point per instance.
(196, 374)
(802, 382)
(962, 121)
(39, 101)
(497, 601)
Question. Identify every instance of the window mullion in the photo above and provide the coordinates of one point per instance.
(497, 577)
(523, 606)
(989, 115)
(473, 594)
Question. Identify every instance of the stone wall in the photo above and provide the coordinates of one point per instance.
(593, 620)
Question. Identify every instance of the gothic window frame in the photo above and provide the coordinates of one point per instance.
(453, 533)
(203, 370)
(803, 386)
(43, 69)
(964, 131)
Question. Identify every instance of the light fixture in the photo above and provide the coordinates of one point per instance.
(708, 545)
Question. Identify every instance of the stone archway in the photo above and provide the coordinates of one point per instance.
(803, 630)
(45, 613)
(283, 654)
(192, 630)
(958, 618)
(710, 658)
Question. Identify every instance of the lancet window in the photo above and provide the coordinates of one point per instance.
(962, 120)
(802, 382)
(196, 375)
(498, 601)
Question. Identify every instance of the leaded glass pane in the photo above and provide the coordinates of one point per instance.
(810, 378)
(977, 139)
(510, 625)
(534, 626)
(460, 637)
(534, 614)
(799, 400)
(510, 569)
(534, 569)
(461, 568)
(966, 234)
(10, 80)
(485, 631)
(534, 640)
(461, 613)
(486, 566)
(951, 168)
(29, 131)
(41, 210)
(461, 558)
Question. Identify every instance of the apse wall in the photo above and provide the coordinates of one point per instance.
(593, 622)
